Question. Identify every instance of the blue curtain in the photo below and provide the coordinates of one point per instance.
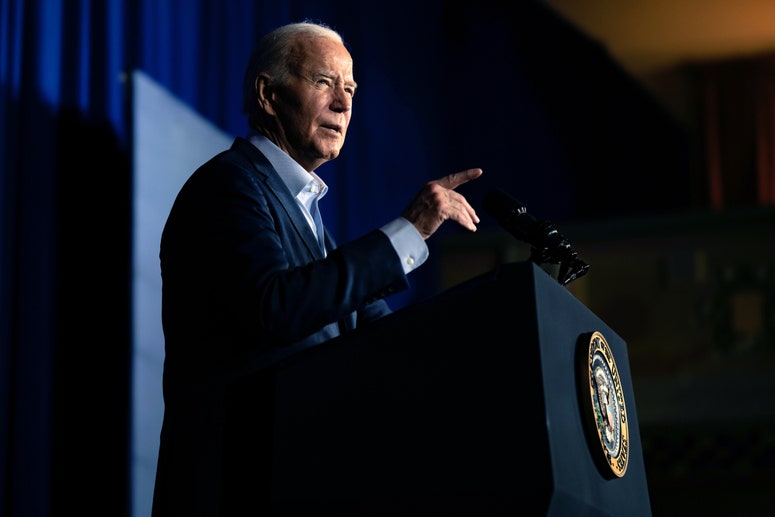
(442, 88)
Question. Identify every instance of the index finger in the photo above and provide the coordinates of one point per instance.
(454, 180)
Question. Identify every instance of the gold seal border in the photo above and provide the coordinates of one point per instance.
(617, 463)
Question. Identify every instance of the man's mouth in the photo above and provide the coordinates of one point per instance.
(332, 127)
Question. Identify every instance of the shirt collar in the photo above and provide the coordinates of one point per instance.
(295, 177)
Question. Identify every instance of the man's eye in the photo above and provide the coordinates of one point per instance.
(324, 82)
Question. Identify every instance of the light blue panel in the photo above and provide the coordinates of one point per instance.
(170, 141)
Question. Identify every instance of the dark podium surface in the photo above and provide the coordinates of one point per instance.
(466, 404)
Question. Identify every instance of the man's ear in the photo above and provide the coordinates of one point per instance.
(264, 94)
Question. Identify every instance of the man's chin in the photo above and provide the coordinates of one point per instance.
(331, 153)
(323, 156)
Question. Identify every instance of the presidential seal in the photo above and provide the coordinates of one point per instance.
(605, 407)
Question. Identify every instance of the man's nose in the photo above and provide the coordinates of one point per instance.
(342, 100)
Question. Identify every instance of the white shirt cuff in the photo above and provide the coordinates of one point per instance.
(408, 243)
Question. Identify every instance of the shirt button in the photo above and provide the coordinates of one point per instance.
(410, 261)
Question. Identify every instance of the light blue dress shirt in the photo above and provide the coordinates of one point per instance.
(306, 186)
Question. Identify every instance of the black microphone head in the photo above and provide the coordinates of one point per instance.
(548, 245)
(510, 213)
(501, 205)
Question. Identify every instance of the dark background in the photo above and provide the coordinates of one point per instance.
(671, 207)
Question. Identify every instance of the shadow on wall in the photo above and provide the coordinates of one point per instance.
(558, 123)
(91, 368)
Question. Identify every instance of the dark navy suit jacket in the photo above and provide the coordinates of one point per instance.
(244, 285)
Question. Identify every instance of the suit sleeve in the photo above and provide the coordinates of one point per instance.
(235, 268)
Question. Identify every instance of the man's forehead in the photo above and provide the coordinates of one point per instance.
(325, 50)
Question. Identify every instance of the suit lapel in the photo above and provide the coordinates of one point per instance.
(283, 196)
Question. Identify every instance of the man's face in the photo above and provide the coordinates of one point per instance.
(314, 110)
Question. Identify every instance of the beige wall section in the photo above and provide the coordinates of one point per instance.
(648, 35)
(656, 41)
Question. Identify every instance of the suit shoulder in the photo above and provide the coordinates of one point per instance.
(242, 161)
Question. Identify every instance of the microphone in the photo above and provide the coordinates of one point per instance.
(547, 244)
(511, 215)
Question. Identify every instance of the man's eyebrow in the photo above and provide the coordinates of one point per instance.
(333, 75)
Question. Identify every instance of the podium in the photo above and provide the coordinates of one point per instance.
(470, 403)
